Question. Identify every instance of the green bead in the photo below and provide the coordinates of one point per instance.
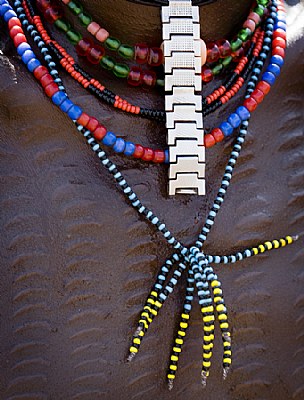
(262, 2)
(107, 63)
(62, 25)
(244, 34)
(75, 7)
(217, 69)
(259, 10)
(160, 82)
(226, 61)
(73, 36)
(112, 43)
(126, 51)
(85, 19)
(236, 44)
(121, 70)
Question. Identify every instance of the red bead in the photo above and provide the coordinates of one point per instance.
(148, 154)
(206, 74)
(250, 24)
(83, 47)
(51, 89)
(278, 51)
(224, 47)
(280, 42)
(100, 132)
(237, 55)
(139, 151)
(134, 77)
(141, 53)
(43, 4)
(155, 57)
(217, 134)
(14, 30)
(92, 124)
(209, 140)
(46, 79)
(251, 104)
(95, 54)
(52, 14)
(19, 38)
(258, 95)
(83, 119)
(264, 87)
(213, 52)
(13, 22)
(40, 71)
(279, 33)
(159, 156)
(148, 78)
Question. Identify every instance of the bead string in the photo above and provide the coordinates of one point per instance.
(193, 258)
(146, 153)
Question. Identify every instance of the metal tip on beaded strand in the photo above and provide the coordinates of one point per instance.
(295, 238)
(131, 356)
(225, 372)
(170, 384)
(204, 375)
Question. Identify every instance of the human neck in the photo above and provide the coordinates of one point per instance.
(140, 23)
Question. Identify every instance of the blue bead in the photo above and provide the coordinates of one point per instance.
(59, 98)
(4, 9)
(166, 156)
(280, 25)
(74, 112)
(119, 145)
(278, 60)
(269, 77)
(129, 149)
(243, 113)
(66, 105)
(234, 120)
(27, 56)
(109, 139)
(226, 128)
(33, 64)
(9, 14)
(274, 68)
(22, 48)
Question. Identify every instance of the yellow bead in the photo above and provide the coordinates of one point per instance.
(144, 323)
(217, 291)
(208, 355)
(177, 349)
(179, 341)
(227, 360)
(207, 309)
(224, 325)
(185, 316)
(255, 251)
(173, 367)
(215, 283)
(268, 245)
(217, 299)
(182, 333)
(208, 338)
(261, 248)
(276, 244)
(136, 340)
(208, 328)
(227, 352)
(151, 301)
(153, 293)
(206, 364)
(174, 358)
(170, 376)
(183, 325)
(220, 308)
(133, 349)
(154, 312)
(141, 333)
(208, 318)
(283, 242)
(208, 346)
(227, 344)
(222, 317)
(289, 239)
(158, 304)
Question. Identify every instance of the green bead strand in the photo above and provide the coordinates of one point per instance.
(121, 70)
(112, 43)
(73, 36)
(75, 7)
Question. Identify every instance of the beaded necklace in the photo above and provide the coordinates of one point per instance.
(200, 274)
